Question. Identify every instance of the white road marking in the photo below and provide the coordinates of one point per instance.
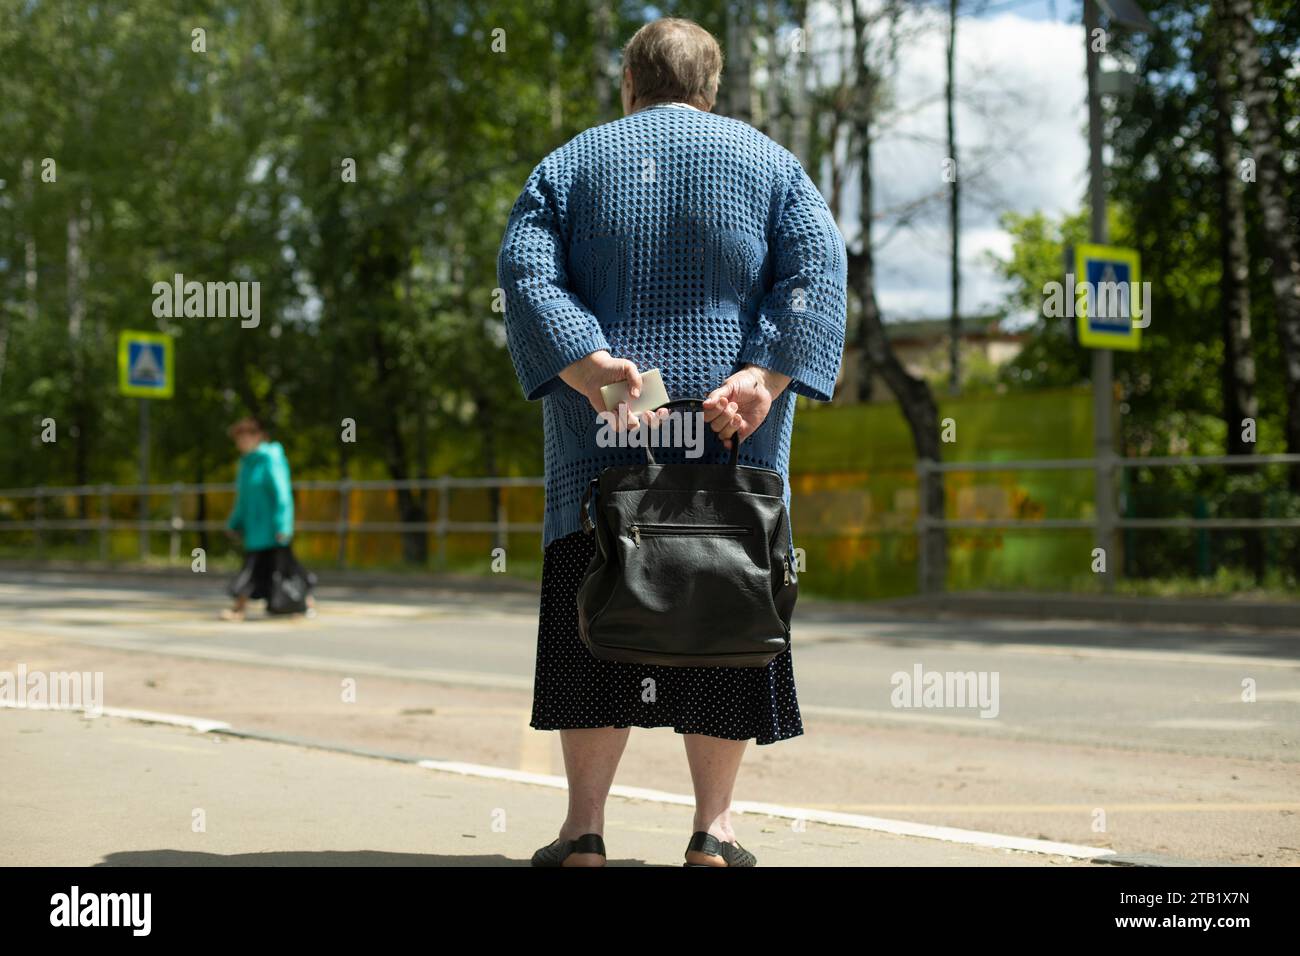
(1210, 723)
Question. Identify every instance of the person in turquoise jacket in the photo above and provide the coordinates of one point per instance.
(263, 515)
(263, 511)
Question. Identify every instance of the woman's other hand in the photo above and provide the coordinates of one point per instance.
(741, 403)
(591, 372)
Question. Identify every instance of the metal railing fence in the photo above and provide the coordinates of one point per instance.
(105, 524)
(1104, 528)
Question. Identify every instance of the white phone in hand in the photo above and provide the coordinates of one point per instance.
(653, 394)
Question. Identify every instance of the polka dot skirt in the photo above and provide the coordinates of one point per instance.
(574, 689)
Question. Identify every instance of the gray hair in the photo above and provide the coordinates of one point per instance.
(672, 59)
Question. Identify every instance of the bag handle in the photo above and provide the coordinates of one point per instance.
(734, 461)
(588, 526)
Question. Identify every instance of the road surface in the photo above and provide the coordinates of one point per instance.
(1144, 742)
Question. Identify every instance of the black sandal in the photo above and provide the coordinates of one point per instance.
(733, 853)
(556, 852)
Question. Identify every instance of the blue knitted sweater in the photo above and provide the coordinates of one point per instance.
(683, 241)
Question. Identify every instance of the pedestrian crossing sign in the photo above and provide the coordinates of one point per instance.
(1113, 303)
(145, 368)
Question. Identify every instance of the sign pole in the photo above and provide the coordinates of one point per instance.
(1102, 358)
(144, 476)
(146, 371)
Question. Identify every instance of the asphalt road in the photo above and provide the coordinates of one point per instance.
(1144, 740)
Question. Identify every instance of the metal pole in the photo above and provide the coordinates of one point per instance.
(174, 550)
(105, 515)
(39, 534)
(144, 477)
(444, 509)
(1102, 359)
(923, 583)
(503, 523)
(345, 500)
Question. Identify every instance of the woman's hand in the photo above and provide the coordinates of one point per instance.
(590, 373)
(746, 397)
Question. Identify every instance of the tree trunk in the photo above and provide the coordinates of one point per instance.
(799, 120)
(740, 47)
(29, 240)
(81, 407)
(913, 394)
(954, 198)
(772, 94)
(1239, 398)
(410, 504)
(486, 415)
(201, 515)
(1238, 16)
(602, 18)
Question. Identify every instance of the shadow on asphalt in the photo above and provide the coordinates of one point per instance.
(916, 628)
(319, 858)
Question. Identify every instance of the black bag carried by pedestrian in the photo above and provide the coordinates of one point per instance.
(692, 565)
(290, 584)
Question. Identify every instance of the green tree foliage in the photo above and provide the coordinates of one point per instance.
(232, 163)
(1165, 203)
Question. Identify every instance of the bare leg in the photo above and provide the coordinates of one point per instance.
(235, 613)
(714, 763)
(591, 756)
(308, 610)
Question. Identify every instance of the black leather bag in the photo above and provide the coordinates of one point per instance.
(692, 565)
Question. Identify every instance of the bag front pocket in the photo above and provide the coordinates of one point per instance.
(693, 589)
(639, 529)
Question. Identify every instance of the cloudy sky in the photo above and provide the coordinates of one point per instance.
(1020, 139)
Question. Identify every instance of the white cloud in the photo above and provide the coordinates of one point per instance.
(1021, 146)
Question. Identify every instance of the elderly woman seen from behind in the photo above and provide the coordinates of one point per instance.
(677, 239)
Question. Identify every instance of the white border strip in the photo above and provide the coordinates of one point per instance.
(928, 831)
(201, 724)
(996, 841)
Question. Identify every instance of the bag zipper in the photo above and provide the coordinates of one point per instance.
(785, 560)
(660, 530)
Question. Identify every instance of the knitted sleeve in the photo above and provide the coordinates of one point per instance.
(801, 320)
(547, 326)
